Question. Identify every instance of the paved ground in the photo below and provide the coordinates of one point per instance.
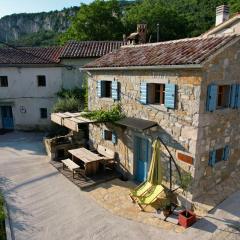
(43, 204)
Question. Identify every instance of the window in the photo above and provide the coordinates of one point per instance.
(109, 136)
(221, 154)
(41, 80)
(43, 113)
(223, 96)
(105, 89)
(3, 81)
(156, 93)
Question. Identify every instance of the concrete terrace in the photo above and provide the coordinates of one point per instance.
(43, 204)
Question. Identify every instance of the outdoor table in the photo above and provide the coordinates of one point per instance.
(90, 160)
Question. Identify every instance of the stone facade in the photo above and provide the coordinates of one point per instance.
(178, 127)
(219, 128)
(188, 128)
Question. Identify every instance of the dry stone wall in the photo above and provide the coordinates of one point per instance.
(219, 128)
(178, 127)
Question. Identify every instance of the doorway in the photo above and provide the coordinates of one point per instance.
(7, 117)
(142, 157)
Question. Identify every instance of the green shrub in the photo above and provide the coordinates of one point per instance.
(2, 213)
(71, 93)
(2, 219)
(67, 105)
(111, 115)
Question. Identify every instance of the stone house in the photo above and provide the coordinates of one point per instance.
(224, 25)
(31, 77)
(185, 91)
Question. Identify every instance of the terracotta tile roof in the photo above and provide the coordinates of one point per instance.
(34, 55)
(85, 49)
(178, 52)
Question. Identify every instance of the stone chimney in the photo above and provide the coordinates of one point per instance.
(142, 31)
(139, 37)
(222, 14)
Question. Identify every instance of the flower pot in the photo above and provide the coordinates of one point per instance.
(186, 218)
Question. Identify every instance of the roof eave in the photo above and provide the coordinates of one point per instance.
(221, 26)
(159, 67)
(30, 65)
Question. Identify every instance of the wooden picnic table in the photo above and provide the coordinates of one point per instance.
(90, 160)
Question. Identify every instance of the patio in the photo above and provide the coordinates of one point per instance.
(84, 182)
(110, 192)
(114, 196)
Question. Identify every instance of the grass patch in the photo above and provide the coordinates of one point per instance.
(2, 219)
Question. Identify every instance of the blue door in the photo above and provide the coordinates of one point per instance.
(141, 158)
(7, 117)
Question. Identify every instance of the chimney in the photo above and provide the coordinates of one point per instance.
(222, 14)
(142, 32)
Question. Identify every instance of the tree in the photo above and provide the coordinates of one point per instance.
(100, 20)
(153, 12)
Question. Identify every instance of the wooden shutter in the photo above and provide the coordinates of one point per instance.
(99, 88)
(143, 92)
(115, 90)
(170, 95)
(114, 138)
(233, 92)
(212, 158)
(212, 97)
(237, 96)
(226, 153)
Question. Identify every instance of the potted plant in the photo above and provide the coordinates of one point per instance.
(186, 217)
(167, 209)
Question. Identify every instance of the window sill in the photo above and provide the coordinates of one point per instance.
(157, 106)
(107, 99)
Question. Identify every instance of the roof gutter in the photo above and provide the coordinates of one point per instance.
(159, 67)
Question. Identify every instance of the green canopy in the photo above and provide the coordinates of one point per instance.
(155, 173)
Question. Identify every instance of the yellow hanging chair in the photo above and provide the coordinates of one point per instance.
(148, 192)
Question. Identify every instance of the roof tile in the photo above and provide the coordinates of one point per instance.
(85, 49)
(178, 52)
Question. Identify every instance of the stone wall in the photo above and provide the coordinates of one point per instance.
(178, 127)
(219, 128)
(189, 128)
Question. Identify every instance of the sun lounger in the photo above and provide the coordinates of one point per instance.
(150, 197)
(140, 190)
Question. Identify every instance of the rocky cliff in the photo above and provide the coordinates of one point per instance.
(17, 27)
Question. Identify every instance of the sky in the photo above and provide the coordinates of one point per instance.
(8, 7)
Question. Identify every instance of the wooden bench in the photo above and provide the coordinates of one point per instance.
(70, 165)
(108, 156)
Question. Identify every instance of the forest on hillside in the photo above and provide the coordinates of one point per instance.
(109, 20)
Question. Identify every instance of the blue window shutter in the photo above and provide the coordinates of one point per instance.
(115, 90)
(237, 96)
(114, 138)
(233, 92)
(103, 134)
(99, 88)
(170, 95)
(212, 97)
(212, 158)
(143, 93)
(226, 153)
